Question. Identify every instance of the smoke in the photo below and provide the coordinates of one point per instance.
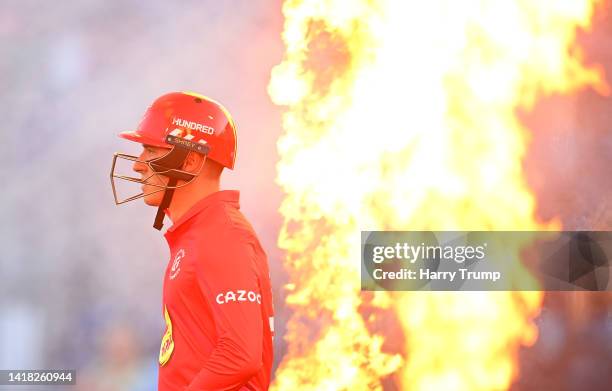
(569, 159)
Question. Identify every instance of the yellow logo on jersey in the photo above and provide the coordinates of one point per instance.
(167, 343)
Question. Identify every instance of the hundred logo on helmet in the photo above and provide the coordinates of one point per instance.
(182, 122)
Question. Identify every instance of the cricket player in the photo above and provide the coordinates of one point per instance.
(217, 299)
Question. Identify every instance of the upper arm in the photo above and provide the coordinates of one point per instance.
(228, 279)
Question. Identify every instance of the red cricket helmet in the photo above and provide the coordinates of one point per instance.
(181, 122)
(191, 121)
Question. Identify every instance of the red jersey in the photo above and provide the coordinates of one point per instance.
(217, 302)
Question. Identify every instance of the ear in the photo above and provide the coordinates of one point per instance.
(193, 162)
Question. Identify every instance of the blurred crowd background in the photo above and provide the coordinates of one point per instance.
(81, 278)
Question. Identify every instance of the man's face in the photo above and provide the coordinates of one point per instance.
(150, 153)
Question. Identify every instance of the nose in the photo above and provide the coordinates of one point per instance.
(139, 166)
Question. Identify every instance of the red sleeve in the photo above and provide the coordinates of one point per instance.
(228, 280)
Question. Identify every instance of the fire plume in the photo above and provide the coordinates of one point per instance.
(402, 115)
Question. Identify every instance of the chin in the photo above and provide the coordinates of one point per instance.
(152, 201)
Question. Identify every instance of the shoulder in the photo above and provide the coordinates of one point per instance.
(223, 219)
(224, 230)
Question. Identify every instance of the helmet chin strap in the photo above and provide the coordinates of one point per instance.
(165, 203)
(168, 166)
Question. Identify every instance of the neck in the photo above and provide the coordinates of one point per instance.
(185, 197)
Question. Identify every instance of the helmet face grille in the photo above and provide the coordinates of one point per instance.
(168, 165)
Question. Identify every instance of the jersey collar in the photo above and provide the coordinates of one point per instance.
(231, 196)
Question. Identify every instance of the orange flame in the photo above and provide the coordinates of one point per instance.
(402, 115)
